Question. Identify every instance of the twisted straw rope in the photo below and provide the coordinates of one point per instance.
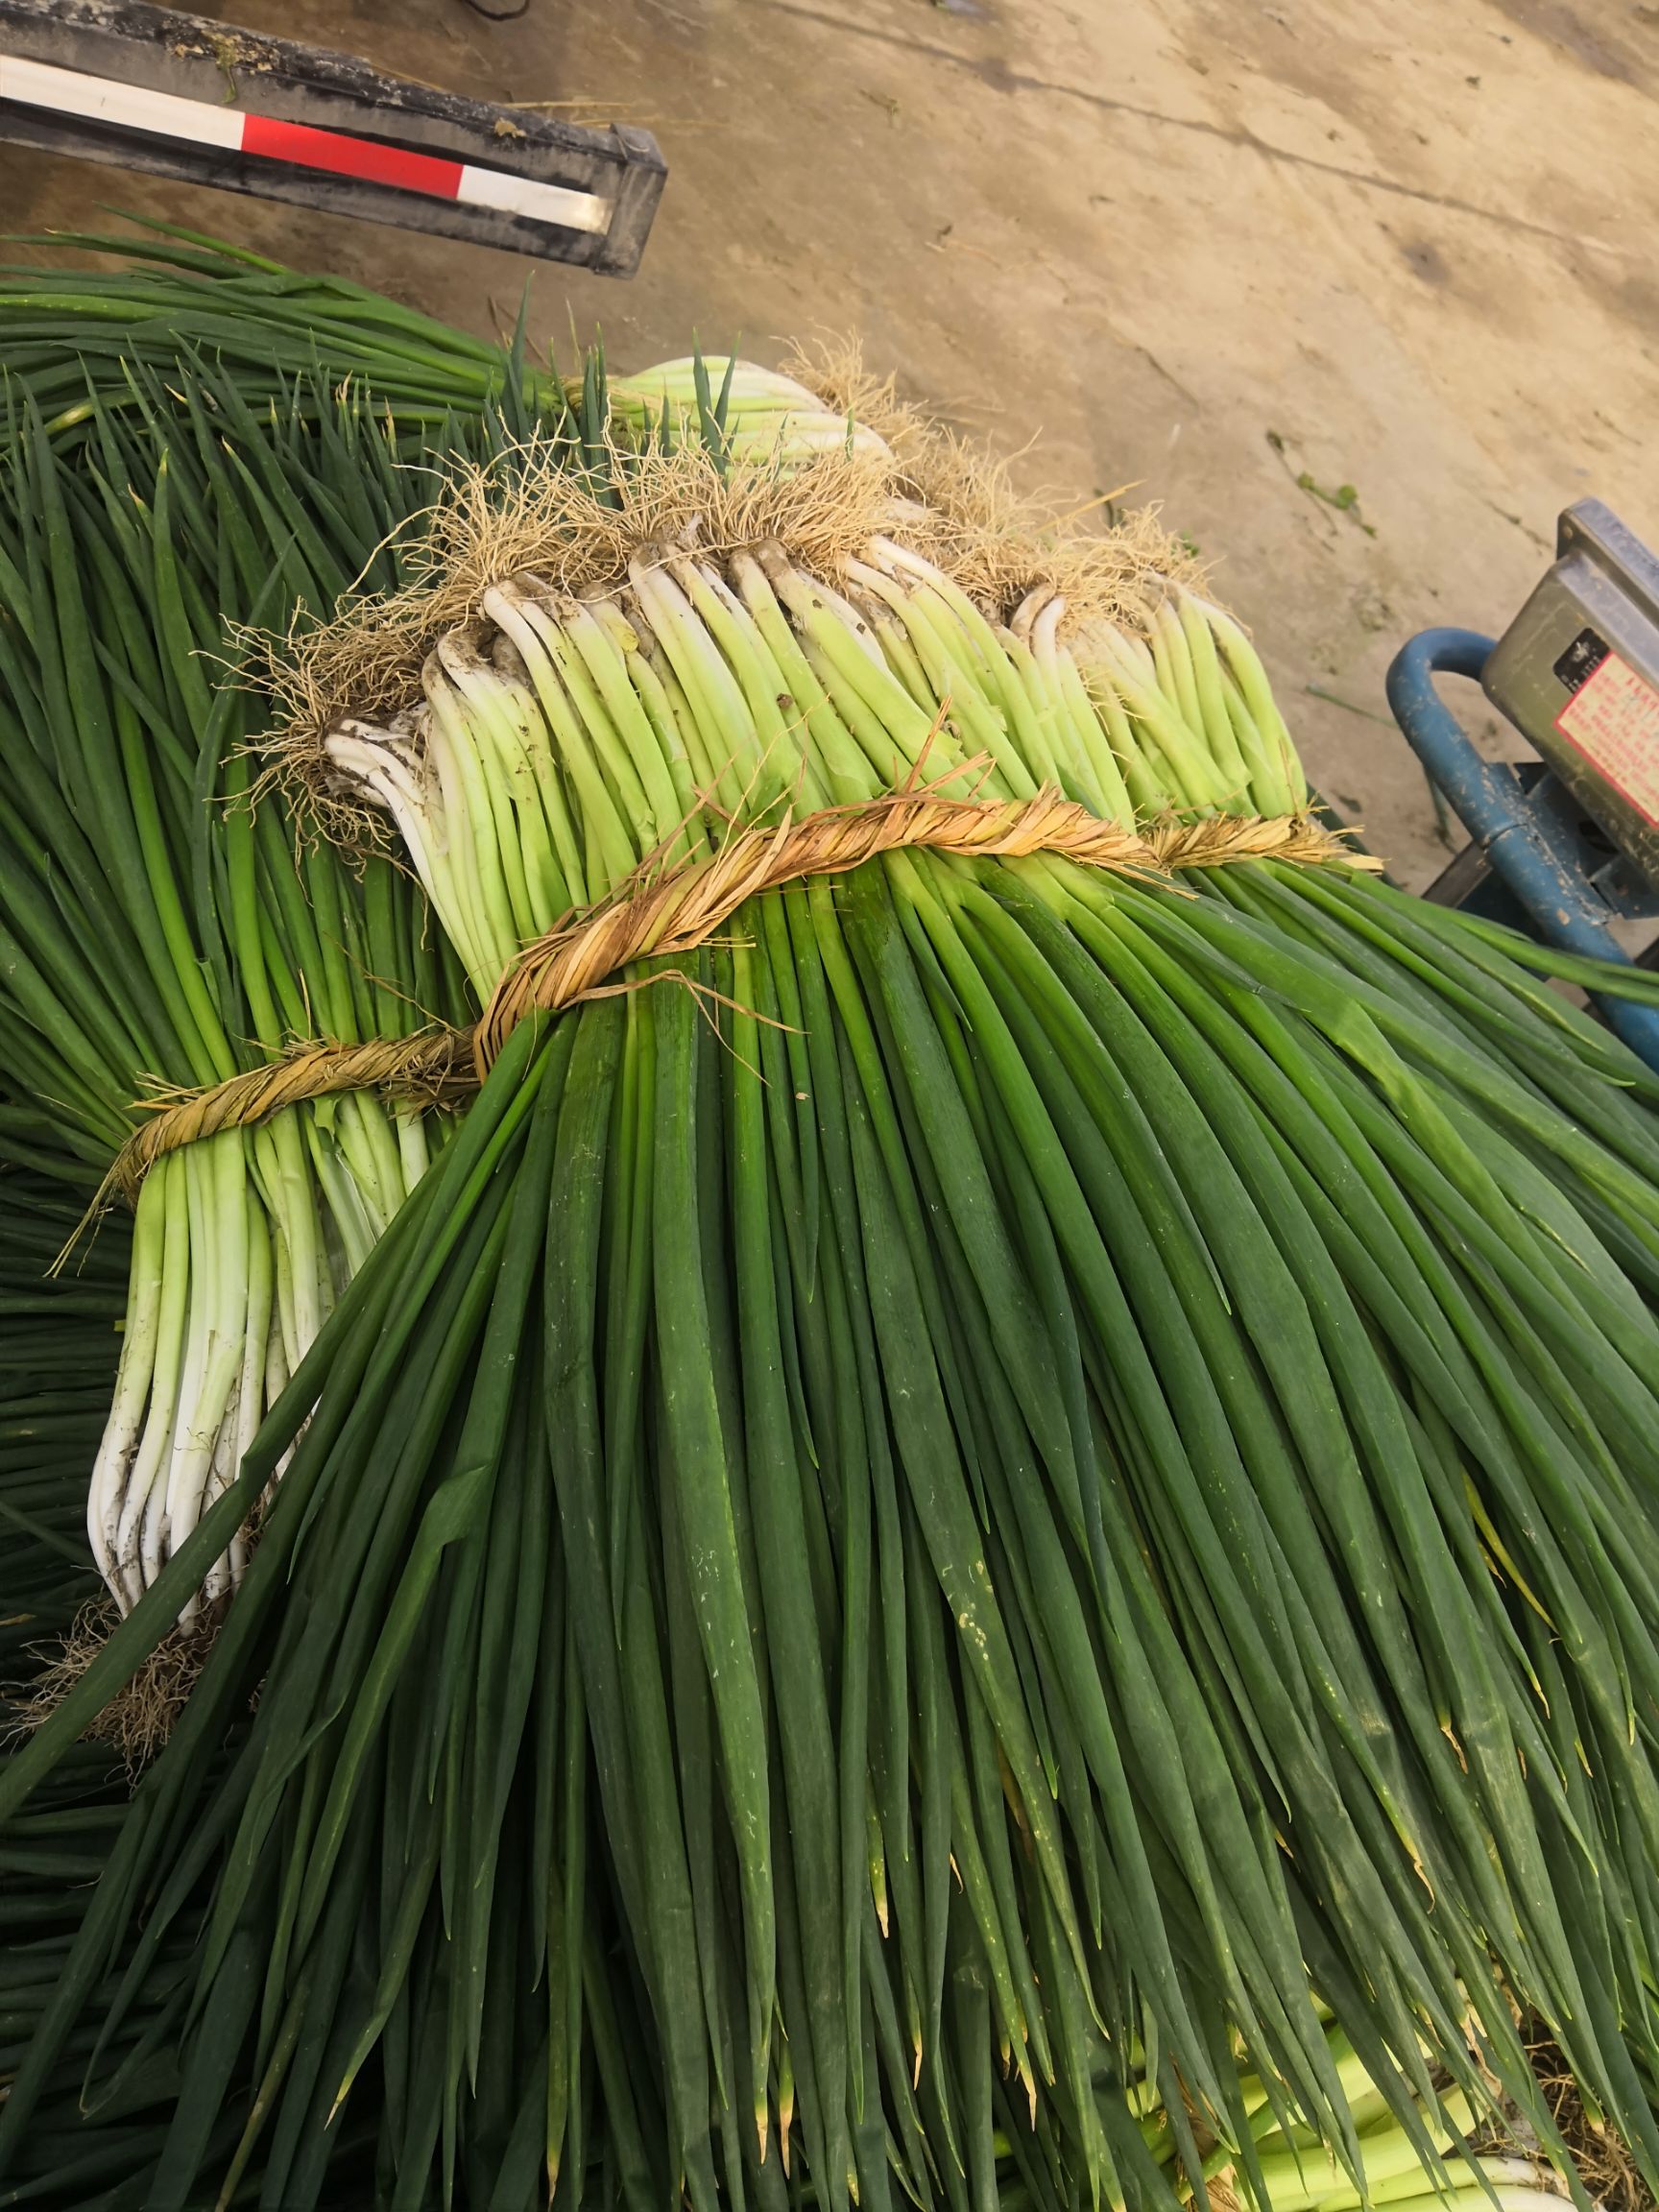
(680, 911)
(433, 1064)
(674, 914)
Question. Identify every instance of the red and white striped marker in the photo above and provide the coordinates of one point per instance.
(165, 116)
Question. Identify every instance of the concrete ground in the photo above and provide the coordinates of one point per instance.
(1235, 257)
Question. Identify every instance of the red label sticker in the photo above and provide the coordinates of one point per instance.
(1613, 719)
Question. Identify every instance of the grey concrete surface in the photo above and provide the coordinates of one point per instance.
(1234, 257)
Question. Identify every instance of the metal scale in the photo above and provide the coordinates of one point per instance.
(1566, 846)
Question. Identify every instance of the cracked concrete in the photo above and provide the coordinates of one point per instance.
(1206, 248)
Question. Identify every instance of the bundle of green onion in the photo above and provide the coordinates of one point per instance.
(993, 1539)
(74, 337)
(1162, 1341)
(157, 928)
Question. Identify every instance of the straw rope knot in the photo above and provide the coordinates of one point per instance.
(430, 1066)
(671, 914)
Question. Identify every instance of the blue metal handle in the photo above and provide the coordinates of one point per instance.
(1537, 861)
